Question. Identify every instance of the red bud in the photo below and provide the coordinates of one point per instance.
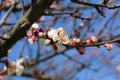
(81, 50)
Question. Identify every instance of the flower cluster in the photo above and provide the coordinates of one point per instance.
(33, 33)
(75, 42)
(54, 37)
(57, 37)
(15, 67)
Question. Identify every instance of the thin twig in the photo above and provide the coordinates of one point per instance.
(72, 13)
(97, 44)
(7, 13)
(95, 5)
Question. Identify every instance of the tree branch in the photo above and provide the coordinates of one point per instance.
(19, 31)
(95, 5)
(96, 44)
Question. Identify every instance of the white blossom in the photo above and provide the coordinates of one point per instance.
(59, 35)
(16, 67)
(35, 26)
(62, 36)
(53, 34)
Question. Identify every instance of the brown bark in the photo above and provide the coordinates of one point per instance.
(19, 31)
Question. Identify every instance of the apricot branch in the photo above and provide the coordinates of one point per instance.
(95, 5)
(58, 37)
(72, 13)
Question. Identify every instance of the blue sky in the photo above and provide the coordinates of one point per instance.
(100, 59)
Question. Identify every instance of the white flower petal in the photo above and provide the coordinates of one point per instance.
(59, 35)
(18, 67)
(66, 39)
(19, 70)
(55, 38)
(60, 29)
(35, 26)
(52, 32)
(61, 32)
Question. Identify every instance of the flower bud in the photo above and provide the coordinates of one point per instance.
(52, 6)
(92, 39)
(81, 24)
(1, 77)
(47, 42)
(81, 50)
(31, 39)
(73, 41)
(108, 46)
(40, 34)
(35, 26)
(77, 41)
(88, 41)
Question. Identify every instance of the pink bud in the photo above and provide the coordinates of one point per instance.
(92, 39)
(108, 46)
(81, 24)
(52, 6)
(88, 41)
(31, 39)
(1, 78)
(73, 41)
